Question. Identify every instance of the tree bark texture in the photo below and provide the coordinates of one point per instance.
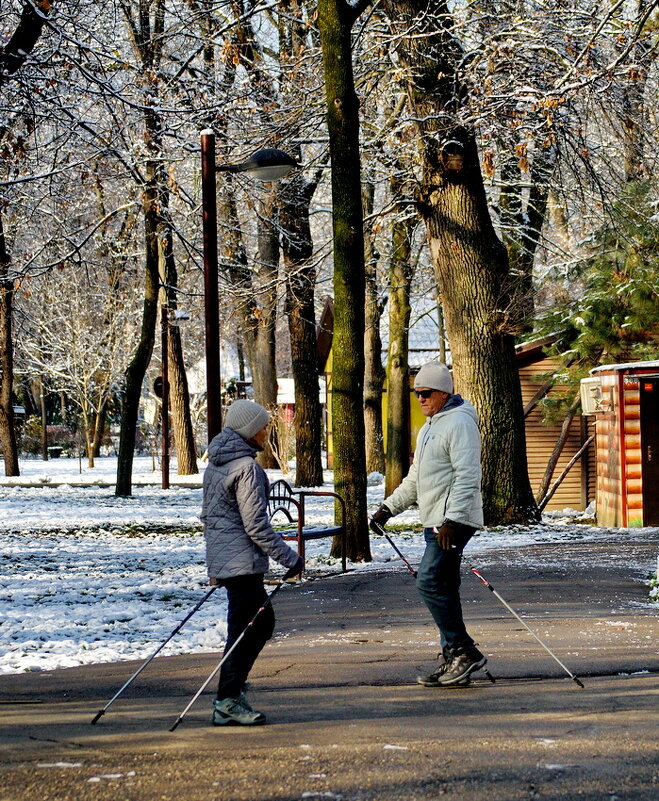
(44, 420)
(7, 427)
(335, 21)
(523, 226)
(470, 262)
(398, 369)
(17, 50)
(261, 324)
(635, 109)
(374, 373)
(179, 396)
(136, 370)
(297, 247)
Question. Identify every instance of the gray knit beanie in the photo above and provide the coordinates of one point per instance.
(246, 418)
(434, 375)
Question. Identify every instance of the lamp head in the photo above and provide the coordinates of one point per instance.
(268, 164)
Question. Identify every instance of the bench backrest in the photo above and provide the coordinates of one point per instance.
(281, 500)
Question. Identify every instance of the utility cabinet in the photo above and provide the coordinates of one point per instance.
(624, 398)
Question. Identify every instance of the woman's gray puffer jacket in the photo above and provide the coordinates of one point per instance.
(239, 537)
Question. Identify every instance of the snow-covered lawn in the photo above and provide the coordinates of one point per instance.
(87, 577)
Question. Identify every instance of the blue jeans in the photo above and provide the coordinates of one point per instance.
(438, 583)
(246, 594)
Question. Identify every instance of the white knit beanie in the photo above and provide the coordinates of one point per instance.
(434, 375)
(246, 418)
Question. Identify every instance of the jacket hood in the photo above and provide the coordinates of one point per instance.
(228, 446)
(456, 403)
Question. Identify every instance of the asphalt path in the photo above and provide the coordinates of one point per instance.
(346, 719)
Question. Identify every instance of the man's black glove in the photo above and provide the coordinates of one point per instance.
(447, 535)
(297, 568)
(380, 519)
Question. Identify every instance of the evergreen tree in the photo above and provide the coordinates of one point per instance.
(610, 307)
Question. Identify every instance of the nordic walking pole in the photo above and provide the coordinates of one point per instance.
(101, 712)
(261, 609)
(414, 573)
(512, 611)
(395, 547)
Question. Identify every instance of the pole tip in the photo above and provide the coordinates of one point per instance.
(97, 716)
(579, 682)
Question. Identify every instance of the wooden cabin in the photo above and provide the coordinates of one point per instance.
(536, 371)
(623, 399)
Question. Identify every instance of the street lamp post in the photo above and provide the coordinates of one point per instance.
(211, 303)
(268, 164)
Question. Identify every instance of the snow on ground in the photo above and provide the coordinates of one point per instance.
(88, 577)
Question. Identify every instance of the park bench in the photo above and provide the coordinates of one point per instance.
(284, 500)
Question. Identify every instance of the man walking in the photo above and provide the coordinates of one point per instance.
(444, 480)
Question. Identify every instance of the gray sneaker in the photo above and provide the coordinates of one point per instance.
(433, 679)
(237, 712)
(461, 666)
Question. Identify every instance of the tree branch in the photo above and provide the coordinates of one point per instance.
(18, 48)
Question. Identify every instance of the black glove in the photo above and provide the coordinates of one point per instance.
(297, 568)
(447, 535)
(380, 519)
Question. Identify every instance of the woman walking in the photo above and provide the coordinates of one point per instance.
(239, 543)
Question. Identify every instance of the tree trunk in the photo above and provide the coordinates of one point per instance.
(335, 21)
(179, 396)
(374, 373)
(634, 107)
(297, 247)
(398, 370)
(21, 43)
(470, 263)
(100, 419)
(258, 304)
(262, 324)
(470, 266)
(44, 420)
(88, 426)
(136, 370)
(7, 428)
(522, 224)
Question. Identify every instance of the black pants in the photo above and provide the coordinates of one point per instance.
(246, 595)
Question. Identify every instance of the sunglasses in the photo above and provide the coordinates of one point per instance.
(424, 393)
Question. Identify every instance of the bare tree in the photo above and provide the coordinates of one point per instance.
(7, 429)
(13, 56)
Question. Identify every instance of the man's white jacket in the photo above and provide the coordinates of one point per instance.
(445, 476)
